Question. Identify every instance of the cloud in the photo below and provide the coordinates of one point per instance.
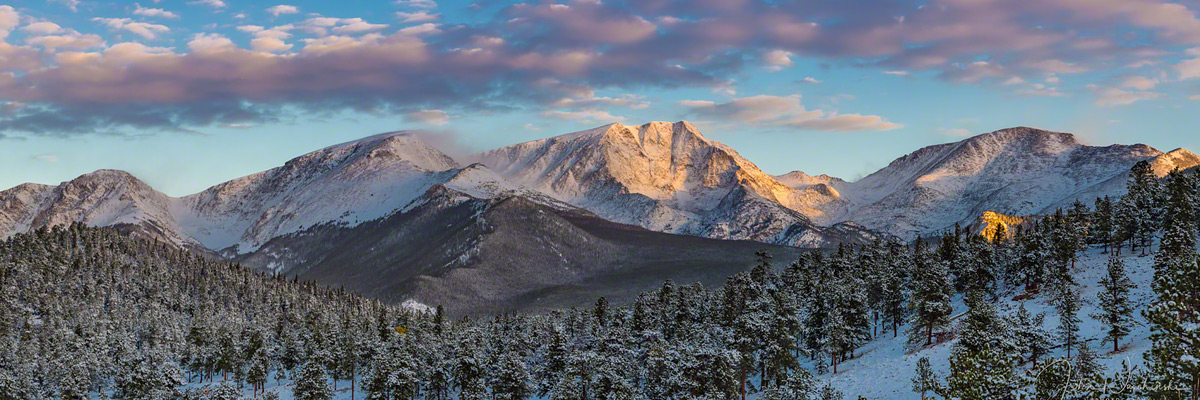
(496, 61)
(50, 158)
(72, 5)
(418, 16)
(431, 117)
(68, 40)
(9, 18)
(1188, 69)
(1039, 90)
(416, 3)
(209, 42)
(786, 111)
(777, 59)
(1139, 83)
(357, 25)
(1109, 96)
(208, 3)
(143, 29)
(955, 132)
(153, 12)
(282, 9)
(809, 79)
(589, 100)
(42, 28)
(591, 115)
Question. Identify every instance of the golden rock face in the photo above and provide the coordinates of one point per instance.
(992, 221)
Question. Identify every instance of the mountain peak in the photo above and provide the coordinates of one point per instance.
(1028, 135)
(801, 180)
(1180, 158)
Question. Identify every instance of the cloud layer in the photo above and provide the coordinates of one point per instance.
(553, 57)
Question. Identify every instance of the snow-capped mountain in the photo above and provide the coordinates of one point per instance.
(668, 177)
(342, 185)
(101, 198)
(1017, 171)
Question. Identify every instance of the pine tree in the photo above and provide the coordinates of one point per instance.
(925, 380)
(1104, 224)
(511, 380)
(930, 301)
(1141, 206)
(1115, 303)
(1067, 301)
(1031, 337)
(983, 374)
(1174, 317)
(312, 383)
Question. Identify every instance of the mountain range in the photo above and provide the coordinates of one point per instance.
(607, 211)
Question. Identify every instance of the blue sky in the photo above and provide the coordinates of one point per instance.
(186, 94)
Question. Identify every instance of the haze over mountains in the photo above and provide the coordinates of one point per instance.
(608, 210)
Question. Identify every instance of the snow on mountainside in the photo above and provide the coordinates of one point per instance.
(343, 185)
(1017, 171)
(103, 198)
(662, 176)
(801, 180)
(884, 367)
(346, 184)
(669, 178)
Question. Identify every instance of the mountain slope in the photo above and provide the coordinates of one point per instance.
(667, 177)
(501, 253)
(1017, 171)
(347, 184)
(101, 198)
(394, 218)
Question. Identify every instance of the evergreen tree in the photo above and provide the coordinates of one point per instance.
(1067, 301)
(511, 381)
(1174, 317)
(1141, 206)
(925, 380)
(930, 300)
(1115, 303)
(1031, 337)
(312, 383)
(983, 374)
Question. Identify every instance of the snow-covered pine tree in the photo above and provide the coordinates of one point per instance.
(1117, 307)
(1031, 337)
(1174, 316)
(930, 302)
(511, 380)
(1067, 302)
(895, 287)
(925, 380)
(1141, 207)
(1104, 224)
(312, 383)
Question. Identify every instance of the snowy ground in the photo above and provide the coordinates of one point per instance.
(884, 367)
(284, 388)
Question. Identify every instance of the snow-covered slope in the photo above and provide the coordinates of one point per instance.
(1017, 171)
(801, 180)
(668, 177)
(884, 367)
(103, 198)
(342, 185)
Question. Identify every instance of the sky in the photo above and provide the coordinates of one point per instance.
(189, 93)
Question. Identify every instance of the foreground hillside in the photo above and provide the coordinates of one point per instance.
(885, 367)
